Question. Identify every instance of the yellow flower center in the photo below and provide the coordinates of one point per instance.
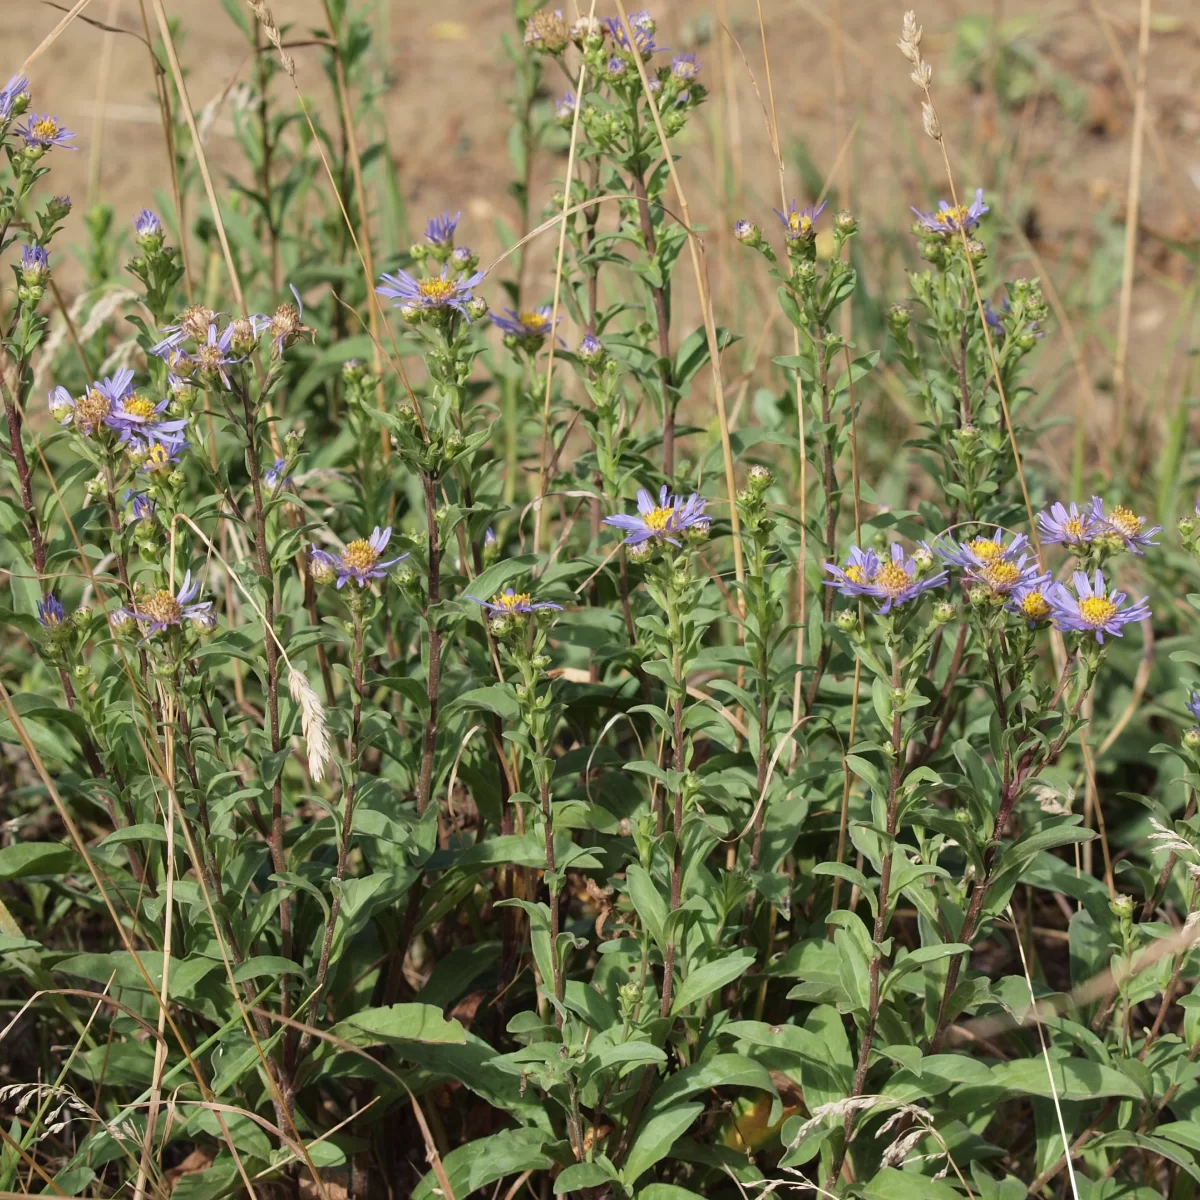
(1034, 605)
(1097, 611)
(659, 520)
(534, 322)
(90, 410)
(158, 457)
(799, 222)
(140, 407)
(952, 218)
(1073, 528)
(856, 575)
(161, 607)
(985, 549)
(1126, 520)
(360, 555)
(512, 602)
(1000, 576)
(46, 127)
(436, 290)
(892, 579)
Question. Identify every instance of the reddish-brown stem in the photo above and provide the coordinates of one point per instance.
(433, 678)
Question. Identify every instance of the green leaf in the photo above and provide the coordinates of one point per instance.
(1074, 1079)
(23, 859)
(584, 1175)
(399, 1023)
(710, 977)
(650, 905)
(658, 1133)
(890, 1184)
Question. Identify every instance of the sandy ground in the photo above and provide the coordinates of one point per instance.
(1056, 152)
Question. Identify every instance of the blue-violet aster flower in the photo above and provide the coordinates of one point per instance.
(159, 454)
(18, 85)
(685, 67)
(854, 579)
(894, 582)
(43, 132)
(987, 560)
(50, 612)
(509, 602)
(1125, 524)
(212, 356)
(1030, 599)
(1092, 608)
(667, 520)
(147, 225)
(35, 264)
(799, 224)
(360, 561)
(433, 293)
(440, 230)
(143, 506)
(1193, 706)
(193, 323)
(643, 28)
(951, 218)
(274, 476)
(1072, 527)
(160, 609)
(532, 324)
(564, 107)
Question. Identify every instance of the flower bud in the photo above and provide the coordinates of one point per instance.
(759, 479)
(1187, 525)
(477, 308)
(845, 619)
(81, 616)
(898, 318)
(464, 259)
(121, 623)
(976, 250)
(149, 231)
(322, 571)
(591, 350)
(1121, 907)
(243, 336)
(58, 207)
(980, 596)
(845, 222)
(944, 612)
(923, 557)
(641, 553)
(546, 32)
(747, 233)
(205, 622)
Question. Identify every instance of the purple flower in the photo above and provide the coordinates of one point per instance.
(274, 476)
(854, 579)
(616, 68)
(40, 133)
(642, 26)
(431, 294)
(685, 67)
(1193, 706)
(92, 411)
(799, 224)
(666, 520)
(18, 85)
(35, 264)
(160, 609)
(1092, 608)
(212, 356)
(509, 602)
(143, 506)
(989, 561)
(1125, 524)
(1030, 599)
(953, 218)
(532, 325)
(158, 454)
(133, 415)
(440, 230)
(50, 612)
(147, 225)
(193, 323)
(359, 561)
(895, 582)
(1071, 527)
(489, 539)
(591, 350)
(564, 108)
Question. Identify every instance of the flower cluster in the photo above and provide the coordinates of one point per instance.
(1082, 529)
(161, 609)
(953, 218)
